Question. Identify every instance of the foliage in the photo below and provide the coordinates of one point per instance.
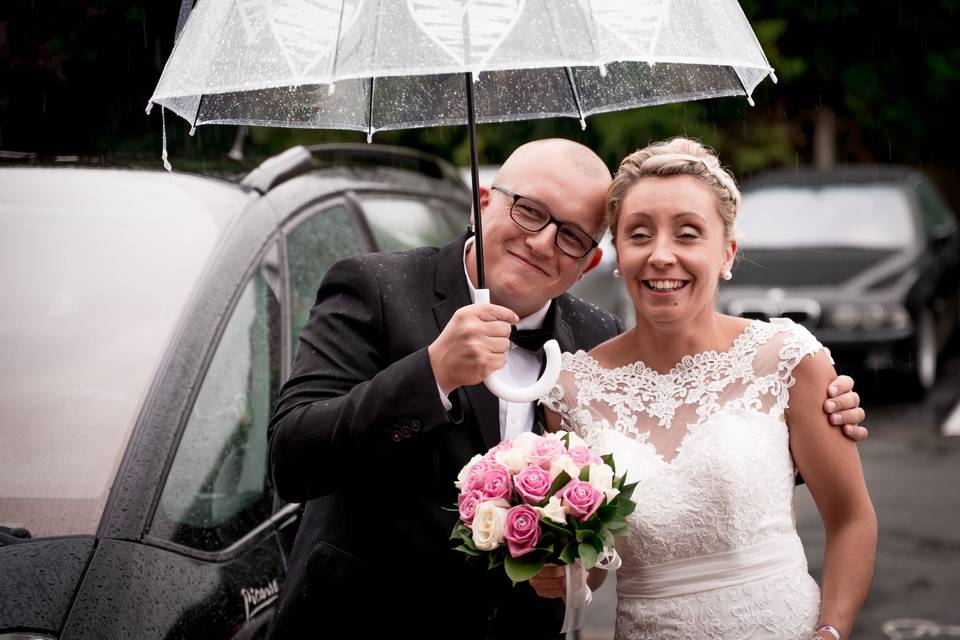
(75, 76)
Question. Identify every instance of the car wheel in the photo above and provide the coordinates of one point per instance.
(924, 358)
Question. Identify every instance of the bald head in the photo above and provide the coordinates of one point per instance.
(565, 164)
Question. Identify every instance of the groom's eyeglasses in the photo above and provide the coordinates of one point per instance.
(532, 216)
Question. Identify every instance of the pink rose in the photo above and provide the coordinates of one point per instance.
(468, 501)
(581, 498)
(522, 531)
(475, 475)
(490, 455)
(544, 451)
(582, 456)
(495, 483)
(532, 483)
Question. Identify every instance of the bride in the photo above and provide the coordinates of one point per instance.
(714, 416)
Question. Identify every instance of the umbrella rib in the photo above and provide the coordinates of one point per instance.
(743, 86)
(336, 45)
(576, 96)
(196, 116)
(370, 111)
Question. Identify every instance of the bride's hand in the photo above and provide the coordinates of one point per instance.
(550, 581)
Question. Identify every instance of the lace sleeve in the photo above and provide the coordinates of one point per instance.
(797, 343)
(561, 396)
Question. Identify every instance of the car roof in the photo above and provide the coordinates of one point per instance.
(76, 192)
(846, 174)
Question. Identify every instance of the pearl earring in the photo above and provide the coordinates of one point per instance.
(727, 274)
(616, 273)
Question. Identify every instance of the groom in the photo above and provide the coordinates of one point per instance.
(384, 406)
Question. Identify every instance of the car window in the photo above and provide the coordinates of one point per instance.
(312, 247)
(399, 223)
(868, 216)
(936, 215)
(217, 490)
(98, 268)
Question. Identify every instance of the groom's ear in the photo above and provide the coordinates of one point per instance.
(484, 200)
(594, 261)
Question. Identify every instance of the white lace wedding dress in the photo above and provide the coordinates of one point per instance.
(713, 550)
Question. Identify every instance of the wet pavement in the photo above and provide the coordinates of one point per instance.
(913, 473)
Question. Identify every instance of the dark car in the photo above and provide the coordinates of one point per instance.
(865, 257)
(148, 321)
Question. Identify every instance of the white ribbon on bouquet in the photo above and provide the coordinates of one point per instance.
(579, 594)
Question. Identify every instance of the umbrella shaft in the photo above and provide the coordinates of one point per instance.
(475, 177)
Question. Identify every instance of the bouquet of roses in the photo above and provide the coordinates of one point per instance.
(539, 499)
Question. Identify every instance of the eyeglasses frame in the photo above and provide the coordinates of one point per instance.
(551, 219)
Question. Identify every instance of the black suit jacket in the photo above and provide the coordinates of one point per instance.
(360, 435)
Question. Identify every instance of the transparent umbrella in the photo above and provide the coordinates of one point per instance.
(377, 65)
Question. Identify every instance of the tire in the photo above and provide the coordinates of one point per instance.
(923, 374)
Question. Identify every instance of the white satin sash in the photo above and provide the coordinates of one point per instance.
(728, 569)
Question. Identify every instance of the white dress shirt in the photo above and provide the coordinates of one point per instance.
(523, 368)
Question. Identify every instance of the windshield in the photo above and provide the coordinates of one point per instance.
(97, 268)
(867, 216)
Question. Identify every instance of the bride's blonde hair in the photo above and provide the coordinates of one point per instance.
(676, 157)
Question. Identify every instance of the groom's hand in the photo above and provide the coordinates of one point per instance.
(473, 345)
(843, 408)
(550, 581)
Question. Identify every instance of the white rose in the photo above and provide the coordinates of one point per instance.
(575, 441)
(488, 524)
(525, 441)
(462, 476)
(601, 476)
(564, 463)
(514, 459)
(554, 510)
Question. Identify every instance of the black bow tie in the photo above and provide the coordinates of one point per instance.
(531, 339)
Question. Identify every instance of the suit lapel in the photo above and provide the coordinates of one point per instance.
(561, 329)
(451, 288)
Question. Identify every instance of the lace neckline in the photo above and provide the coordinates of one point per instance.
(686, 363)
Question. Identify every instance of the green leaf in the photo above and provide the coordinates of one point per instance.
(606, 537)
(547, 524)
(607, 511)
(585, 473)
(494, 560)
(627, 490)
(588, 555)
(583, 534)
(569, 553)
(558, 483)
(626, 508)
(521, 569)
(467, 550)
(608, 460)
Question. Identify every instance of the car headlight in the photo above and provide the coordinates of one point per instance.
(870, 317)
(846, 317)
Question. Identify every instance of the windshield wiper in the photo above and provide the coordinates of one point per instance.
(13, 535)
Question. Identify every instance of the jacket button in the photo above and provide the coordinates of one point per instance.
(395, 436)
(415, 425)
(405, 432)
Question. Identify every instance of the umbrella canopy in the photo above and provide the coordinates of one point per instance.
(375, 65)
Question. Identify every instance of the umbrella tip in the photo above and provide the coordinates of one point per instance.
(332, 89)
(750, 101)
(369, 137)
(773, 76)
(193, 129)
(149, 108)
(603, 70)
(583, 124)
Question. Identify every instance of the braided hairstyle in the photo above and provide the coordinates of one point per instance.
(676, 157)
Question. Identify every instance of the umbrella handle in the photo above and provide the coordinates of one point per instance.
(511, 393)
